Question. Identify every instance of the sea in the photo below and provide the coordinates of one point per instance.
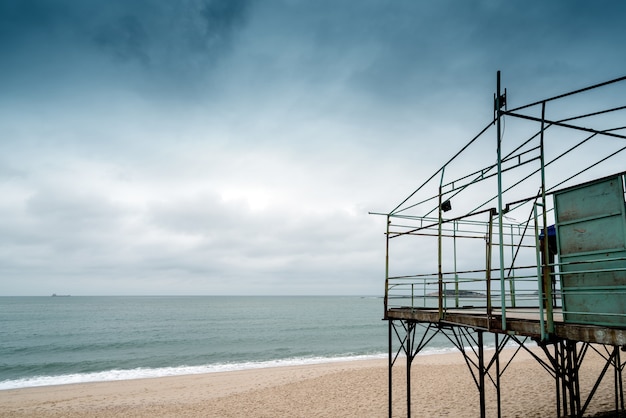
(75, 339)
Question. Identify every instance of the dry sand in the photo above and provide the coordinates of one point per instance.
(441, 386)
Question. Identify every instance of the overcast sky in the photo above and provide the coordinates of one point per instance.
(236, 147)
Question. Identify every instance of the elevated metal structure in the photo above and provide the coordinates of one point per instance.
(527, 249)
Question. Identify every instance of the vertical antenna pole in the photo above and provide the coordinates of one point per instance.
(499, 105)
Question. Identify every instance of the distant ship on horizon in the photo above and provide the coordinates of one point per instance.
(54, 295)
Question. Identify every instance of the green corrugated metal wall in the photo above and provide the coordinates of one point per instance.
(591, 239)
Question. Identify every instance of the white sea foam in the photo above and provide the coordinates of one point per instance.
(144, 373)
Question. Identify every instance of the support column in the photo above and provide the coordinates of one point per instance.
(616, 377)
(574, 377)
(498, 397)
(390, 367)
(409, 360)
(481, 374)
(557, 378)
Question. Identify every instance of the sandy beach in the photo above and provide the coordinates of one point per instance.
(441, 386)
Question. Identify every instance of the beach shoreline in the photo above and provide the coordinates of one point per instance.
(441, 386)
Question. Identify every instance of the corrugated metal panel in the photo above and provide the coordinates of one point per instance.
(591, 237)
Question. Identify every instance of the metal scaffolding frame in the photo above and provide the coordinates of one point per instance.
(516, 293)
(564, 359)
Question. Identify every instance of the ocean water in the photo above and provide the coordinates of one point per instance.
(58, 340)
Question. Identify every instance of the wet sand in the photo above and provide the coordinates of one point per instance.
(442, 386)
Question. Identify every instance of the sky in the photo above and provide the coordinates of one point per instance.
(235, 147)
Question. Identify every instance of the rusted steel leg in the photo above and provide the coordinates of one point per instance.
(481, 374)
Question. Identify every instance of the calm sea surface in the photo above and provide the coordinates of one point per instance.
(50, 340)
(56, 340)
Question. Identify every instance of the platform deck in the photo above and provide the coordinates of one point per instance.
(519, 321)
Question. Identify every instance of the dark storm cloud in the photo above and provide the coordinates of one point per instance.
(126, 39)
(441, 47)
(115, 42)
(21, 20)
(221, 18)
(175, 35)
(210, 146)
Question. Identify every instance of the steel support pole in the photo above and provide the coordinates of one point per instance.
(615, 374)
(440, 253)
(498, 395)
(386, 302)
(557, 379)
(409, 360)
(568, 375)
(499, 105)
(575, 375)
(546, 277)
(456, 275)
(390, 364)
(512, 271)
(488, 265)
(571, 373)
(618, 377)
(481, 374)
(563, 373)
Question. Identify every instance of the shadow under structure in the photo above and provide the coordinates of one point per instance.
(524, 250)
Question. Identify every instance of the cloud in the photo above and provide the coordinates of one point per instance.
(202, 30)
(153, 47)
(125, 39)
(235, 146)
(107, 222)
